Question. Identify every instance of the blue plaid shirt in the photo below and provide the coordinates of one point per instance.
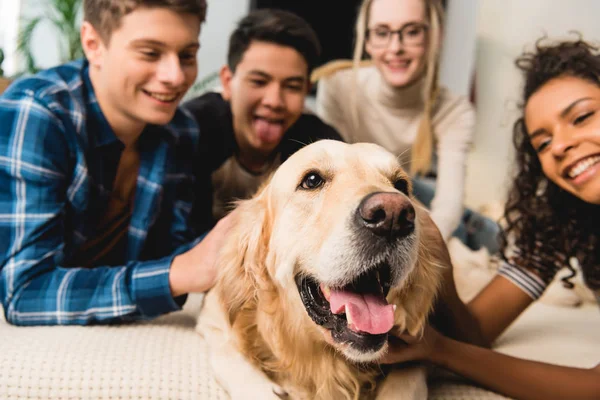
(58, 159)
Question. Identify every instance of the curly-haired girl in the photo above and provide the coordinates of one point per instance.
(552, 220)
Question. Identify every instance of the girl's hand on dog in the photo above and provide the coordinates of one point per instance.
(404, 348)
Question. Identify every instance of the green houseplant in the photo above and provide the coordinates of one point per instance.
(1, 61)
(64, 17)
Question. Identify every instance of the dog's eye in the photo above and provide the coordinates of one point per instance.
(402, 185)
(311, 181)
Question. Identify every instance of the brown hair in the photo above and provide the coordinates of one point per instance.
(422, 148)
(105, 15)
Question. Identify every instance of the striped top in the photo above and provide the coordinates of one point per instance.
(525, 280)
(529, 282)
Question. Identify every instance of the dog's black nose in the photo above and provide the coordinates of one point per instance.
(387, 214)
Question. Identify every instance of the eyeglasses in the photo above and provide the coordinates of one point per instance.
(412, 34)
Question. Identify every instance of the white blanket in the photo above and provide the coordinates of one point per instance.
(165, 359)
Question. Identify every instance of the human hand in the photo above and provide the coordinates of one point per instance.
(196, 269)
(404, 348)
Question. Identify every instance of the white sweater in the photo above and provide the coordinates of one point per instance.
(390, 117)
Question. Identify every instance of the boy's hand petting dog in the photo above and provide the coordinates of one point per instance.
(195, 270)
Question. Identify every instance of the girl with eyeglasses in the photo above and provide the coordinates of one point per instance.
(393, 99)
(552, 221)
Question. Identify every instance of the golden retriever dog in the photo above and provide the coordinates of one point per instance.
(324, 262)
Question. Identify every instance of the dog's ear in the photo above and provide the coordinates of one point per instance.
(241, 264)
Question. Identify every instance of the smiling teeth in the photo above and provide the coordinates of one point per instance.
(163, 97)
(583, 165)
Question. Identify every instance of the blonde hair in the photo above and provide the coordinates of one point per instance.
(422, 148)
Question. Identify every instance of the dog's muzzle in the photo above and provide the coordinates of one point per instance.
(356, 314)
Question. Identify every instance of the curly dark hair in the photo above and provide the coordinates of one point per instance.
(545, 223)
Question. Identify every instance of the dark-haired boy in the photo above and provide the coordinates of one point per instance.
(258, 119)
(95, 168)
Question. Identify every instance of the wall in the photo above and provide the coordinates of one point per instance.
(9, 17)
(505, 28)
(214, 38)
(222, 16)
(45, 44)
(458, 54)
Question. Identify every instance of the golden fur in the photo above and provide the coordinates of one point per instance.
(281, 232)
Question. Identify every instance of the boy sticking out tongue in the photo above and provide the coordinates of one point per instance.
(257, 119)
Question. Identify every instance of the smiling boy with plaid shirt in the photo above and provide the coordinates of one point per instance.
(95, 170)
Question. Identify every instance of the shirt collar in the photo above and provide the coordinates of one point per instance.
(104, 134)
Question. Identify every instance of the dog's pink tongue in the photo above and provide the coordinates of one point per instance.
(269, 132)
(367, 312)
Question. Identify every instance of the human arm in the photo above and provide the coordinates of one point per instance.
(480, 321)
(41, 180)
(499, 303)
(489, 313)
(451, 315)
(454, 125)
(514, 377)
